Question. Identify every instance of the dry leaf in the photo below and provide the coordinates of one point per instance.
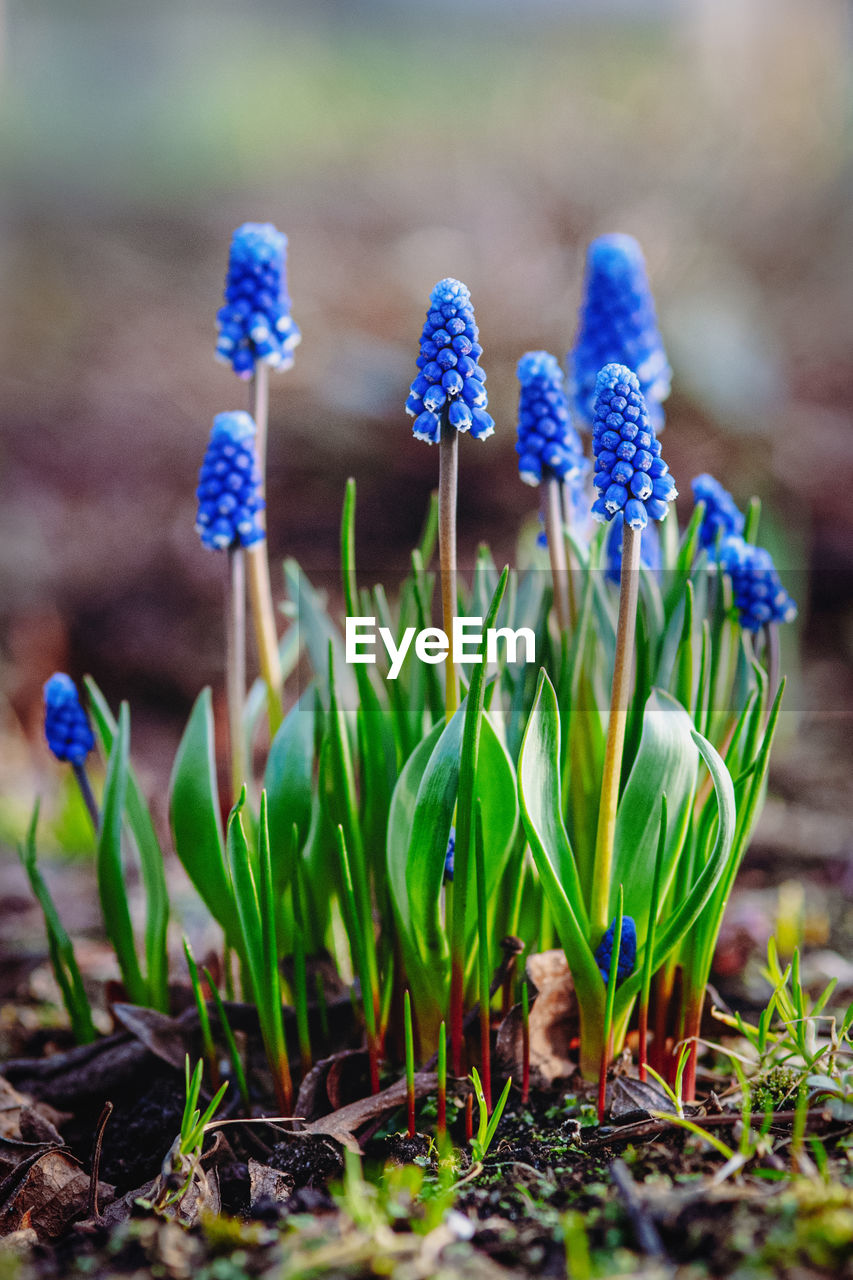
(554, 1023)
(53, 1192)
(266, 1183)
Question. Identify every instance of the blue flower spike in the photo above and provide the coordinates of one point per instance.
(66, 725)
(630, 475)
(548, 444)
(255, 324)
(617, 324)
(627, 951)
(450, 386)
(722, 517)
(229, 488)
(759, 596)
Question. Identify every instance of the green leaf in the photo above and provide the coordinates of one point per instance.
(111, 884)
(675, 927)
(150, 858)
(667, 760)
(541, 811)
(195, 819)
(62, 957)
(288, 782)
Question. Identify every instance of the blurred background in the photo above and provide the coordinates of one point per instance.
(398, 142)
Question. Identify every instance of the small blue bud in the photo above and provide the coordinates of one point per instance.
(450, 856)
(450, 386)
(66, 725)
(627, 951)
(255, 324)
(722, 516)
(759, 595)
(229, 488)
(630, 479)
(547, 442)
(617, 324)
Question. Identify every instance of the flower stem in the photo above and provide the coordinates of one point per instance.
(260, 591)
(88, 796)
(568, 514)
(771, 649)
(441, 1118)
(557, 551)
(448, 483)
(410, 1063)
(620, 697)
(483, 956)
(235, 664)
(259, 408)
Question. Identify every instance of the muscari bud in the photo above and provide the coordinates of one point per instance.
(548, 445)
(229, 486)
(255, 324)
(627, 951)
(450, 387)
(617, 324)
(66, 725)
(630, 474)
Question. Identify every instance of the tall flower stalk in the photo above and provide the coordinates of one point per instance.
(229, 507)
(631, 477)
(256, 334)
(447, 397)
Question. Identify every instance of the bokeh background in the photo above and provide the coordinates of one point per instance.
(397, 142)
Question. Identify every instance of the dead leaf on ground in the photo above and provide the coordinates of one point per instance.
(554, 1023)
(266, 1183)
(51, 1194)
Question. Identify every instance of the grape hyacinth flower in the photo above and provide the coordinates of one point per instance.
(722, 517)
(230, 503)
(448, 397)
(549, 449)
(630, 474)
(759, 596)
(69, 734)
(627, 951)
(66, 725)
(548, 444)
(229, 489)
(617, 324)
(450, 388)
(255, 325)
(632, 479)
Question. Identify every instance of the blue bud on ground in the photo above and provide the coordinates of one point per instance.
(450, 856)
(722, 517)
(66, 725)
(255, 324)
(630, 474)
(650, 553)
(617, 325)
(450, 385)
(548, 444)
(759, 596)
(627, 951)
(229, 485)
